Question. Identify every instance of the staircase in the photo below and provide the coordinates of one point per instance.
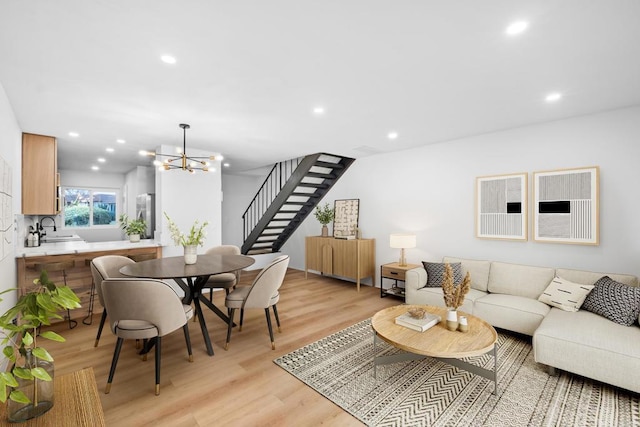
(288, 195)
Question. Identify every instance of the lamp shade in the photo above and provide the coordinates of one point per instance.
(402, 241)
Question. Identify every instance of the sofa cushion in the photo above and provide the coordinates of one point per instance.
(520, 280)
(435, 273)
(518, 314)
(590, 277)
(434, 296)
(565, 295)
(478, 271)
(616, 301)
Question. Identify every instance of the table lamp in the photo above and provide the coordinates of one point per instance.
(402, 242)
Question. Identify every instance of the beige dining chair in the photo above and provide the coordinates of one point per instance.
(146, 309)
(226, 281)
(263, 293)
(106, 267)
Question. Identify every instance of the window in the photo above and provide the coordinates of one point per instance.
(86, 207)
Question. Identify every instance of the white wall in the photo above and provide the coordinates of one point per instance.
(188, 197)
(238, 191)
(430, 191)
(10, 150)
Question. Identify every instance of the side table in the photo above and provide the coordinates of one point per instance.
(396, 272)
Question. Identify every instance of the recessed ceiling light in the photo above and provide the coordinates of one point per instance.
(109, 150)
(95, 168)
(392, 135)
(102, 159)
(318, 111)
(516, 28)
(120, 141)
(74, 134)
(226, 165)
(553, 97)
(168, 59)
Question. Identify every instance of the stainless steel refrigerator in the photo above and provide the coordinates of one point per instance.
(146, 209)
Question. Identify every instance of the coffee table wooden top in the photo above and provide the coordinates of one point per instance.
(436, 341)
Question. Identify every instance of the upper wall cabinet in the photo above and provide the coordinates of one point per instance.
(39, 175)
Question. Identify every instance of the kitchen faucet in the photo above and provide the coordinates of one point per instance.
(41, 226)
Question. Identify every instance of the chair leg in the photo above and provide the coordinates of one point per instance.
(145, 346)
(275, 313)
(273, 343)
(102, 320)
(92, 295)
(229, 327)
(187, 338)
(158, 342)
(114, 362)
(241, 319)
(72, 323)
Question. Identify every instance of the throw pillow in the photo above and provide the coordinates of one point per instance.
(615, 301)
(565, 295)
(435, 273)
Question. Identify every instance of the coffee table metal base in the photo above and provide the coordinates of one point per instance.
(458, 363)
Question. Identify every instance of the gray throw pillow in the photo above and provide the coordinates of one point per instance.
(616, 301)
(435, 273)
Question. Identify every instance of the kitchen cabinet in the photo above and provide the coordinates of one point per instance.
(40, 179)
(352, 259)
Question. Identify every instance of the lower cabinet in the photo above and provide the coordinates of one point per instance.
(351, 259)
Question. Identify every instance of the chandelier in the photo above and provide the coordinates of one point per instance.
(181, 160)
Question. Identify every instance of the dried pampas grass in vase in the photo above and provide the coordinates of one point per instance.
(454, 295)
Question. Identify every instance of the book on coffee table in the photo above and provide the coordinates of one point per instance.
(419, 325)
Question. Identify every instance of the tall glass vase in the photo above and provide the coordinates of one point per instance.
(190, 254)
(39, 392)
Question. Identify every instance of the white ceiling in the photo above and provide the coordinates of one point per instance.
(249, 73)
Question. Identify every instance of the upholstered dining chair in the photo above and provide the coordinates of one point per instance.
(263, 293)
(145, 309)
(226, 281)
(106, 267)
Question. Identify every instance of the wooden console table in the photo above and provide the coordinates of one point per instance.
(76, 403)
(352, 259)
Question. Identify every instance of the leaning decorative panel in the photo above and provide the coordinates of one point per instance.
(501, 207)
(345, 222)
(566, 206)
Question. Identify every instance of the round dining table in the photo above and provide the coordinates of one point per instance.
(191, 278)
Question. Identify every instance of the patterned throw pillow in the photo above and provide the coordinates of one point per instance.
(615, 301)
(564, 294)
(435, 273)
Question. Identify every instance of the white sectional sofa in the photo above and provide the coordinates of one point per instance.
(506, 296)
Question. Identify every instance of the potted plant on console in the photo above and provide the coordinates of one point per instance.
(30, 378)
(134, 228)
(324, 216)
(190, 241)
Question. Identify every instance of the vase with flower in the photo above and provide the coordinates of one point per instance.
(190, 241)
(453, 296)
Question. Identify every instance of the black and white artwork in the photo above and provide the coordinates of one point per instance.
(345, 222)
(566, 206)
(501, 207)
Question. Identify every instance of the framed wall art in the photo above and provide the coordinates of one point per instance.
(501, 207)
(345, 222)
(566, 206)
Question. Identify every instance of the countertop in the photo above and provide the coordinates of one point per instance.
(62, 248)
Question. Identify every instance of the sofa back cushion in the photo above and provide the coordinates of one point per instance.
(478, 271)
(589, 277)
(520, 280)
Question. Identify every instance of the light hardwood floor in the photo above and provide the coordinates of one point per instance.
(238, 387)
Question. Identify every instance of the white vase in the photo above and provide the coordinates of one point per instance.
(452, 319)
(190, 254)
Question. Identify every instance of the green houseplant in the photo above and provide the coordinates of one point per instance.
(324, 215)
(132, 228)
(30, 377)
(189, 241)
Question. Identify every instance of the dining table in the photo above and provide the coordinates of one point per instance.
(191, 278)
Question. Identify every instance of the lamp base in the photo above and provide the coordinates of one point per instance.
(403, 260)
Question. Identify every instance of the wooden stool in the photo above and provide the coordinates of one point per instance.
(62, 266)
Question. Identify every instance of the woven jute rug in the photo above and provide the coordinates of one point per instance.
(428, 392)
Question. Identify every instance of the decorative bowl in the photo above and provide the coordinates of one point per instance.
(417, 313)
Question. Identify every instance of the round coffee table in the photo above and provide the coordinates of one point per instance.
(436, 342)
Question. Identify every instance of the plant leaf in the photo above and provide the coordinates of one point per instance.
(18, 396)
(50, 335)
(8, 379)
(44, 301)
(3, 391)
(27, 339)
(41, 353)
(40, 374)
(23, 373)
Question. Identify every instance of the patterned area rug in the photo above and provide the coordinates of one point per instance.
(431, 393)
